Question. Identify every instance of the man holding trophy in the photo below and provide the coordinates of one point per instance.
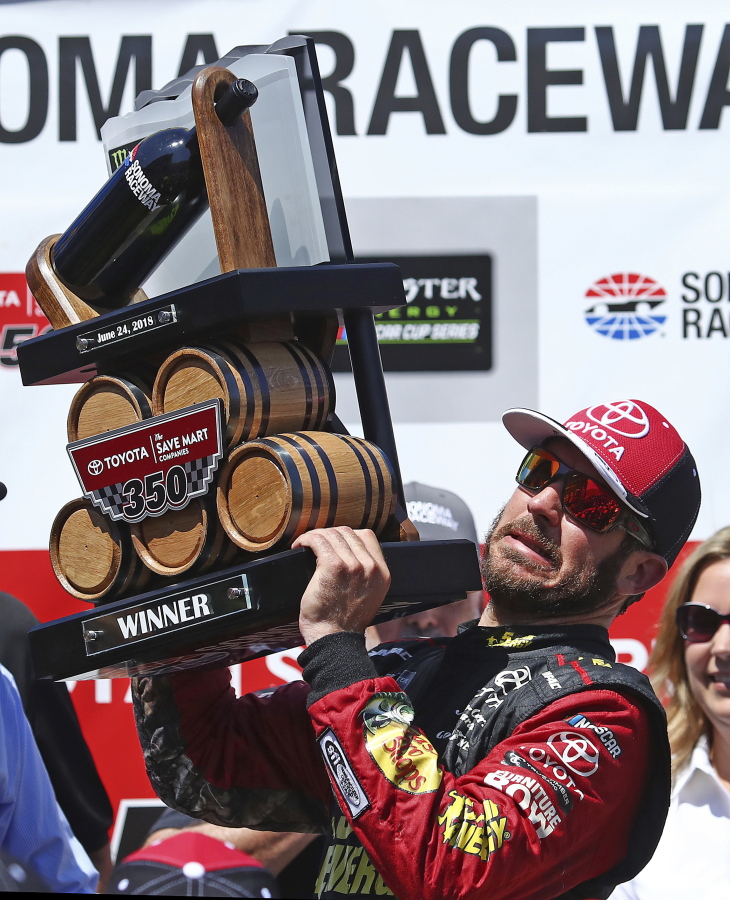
(517, 759)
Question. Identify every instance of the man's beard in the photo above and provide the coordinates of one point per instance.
(576, 593)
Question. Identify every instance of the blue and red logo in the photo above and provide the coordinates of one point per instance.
(624, 306)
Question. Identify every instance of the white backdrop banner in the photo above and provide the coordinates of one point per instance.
(580, 149)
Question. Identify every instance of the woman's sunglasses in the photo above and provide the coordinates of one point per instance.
(586, 501)
(698, 623)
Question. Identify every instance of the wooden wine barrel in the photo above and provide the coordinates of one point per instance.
(266, 388)
(274, 489)
(92, 556)
(184, 540)
(108, 402)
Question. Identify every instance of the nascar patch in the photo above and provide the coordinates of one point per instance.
(605, 735)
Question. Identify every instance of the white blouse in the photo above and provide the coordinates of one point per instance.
(693, 856)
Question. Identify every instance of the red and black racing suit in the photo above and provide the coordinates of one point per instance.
(502, 763)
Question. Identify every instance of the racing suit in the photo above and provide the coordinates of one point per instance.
(502, 763)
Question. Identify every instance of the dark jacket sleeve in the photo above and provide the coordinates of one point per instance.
(50, 711)
(249, 761)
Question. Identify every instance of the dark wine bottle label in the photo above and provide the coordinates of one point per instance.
(139, 183)
(117, 155)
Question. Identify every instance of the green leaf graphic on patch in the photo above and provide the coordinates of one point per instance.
(405, 756)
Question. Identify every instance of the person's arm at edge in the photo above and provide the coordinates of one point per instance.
(72, 770)
(34, 829)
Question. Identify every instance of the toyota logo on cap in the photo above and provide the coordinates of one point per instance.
(622, 416)
(575, 750)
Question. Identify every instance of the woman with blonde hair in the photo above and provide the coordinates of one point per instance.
(690, 670)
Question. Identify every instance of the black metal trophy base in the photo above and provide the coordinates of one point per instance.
(78, 352)
(234, 614)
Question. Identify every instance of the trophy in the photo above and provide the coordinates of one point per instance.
(204, 434)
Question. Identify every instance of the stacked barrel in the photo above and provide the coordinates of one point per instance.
(284, 471)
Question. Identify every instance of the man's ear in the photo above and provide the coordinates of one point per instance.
(641, 571)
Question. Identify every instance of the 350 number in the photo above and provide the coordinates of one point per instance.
(155, 493)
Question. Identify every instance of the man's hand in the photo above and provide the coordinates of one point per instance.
(349, 585)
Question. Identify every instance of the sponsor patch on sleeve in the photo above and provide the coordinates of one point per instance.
(472, 826)
(605, 735)
(561, 791)
(530, 796)
(575, 751)
(404, 755)
(342, 774)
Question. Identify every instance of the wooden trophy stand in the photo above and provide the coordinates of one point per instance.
(230, 604)
(233, 179)
(61, 306)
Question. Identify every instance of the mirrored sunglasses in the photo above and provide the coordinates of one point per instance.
(586, 501)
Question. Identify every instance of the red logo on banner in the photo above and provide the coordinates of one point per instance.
(20, 317)
(152, 466)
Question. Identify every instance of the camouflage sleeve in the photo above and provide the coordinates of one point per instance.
(238, 762)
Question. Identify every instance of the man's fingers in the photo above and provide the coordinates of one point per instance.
(358, 552)
(371, 543)
(328, 544)
(348, 585)
(369, 552)
(332, 536)
(340, 541)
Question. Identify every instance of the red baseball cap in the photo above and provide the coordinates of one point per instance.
(638, 453)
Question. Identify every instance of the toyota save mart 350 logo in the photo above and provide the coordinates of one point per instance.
(20, 317)
(624, 306)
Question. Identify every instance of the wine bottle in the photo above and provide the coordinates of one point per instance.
(148, 204)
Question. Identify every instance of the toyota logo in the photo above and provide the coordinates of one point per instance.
(511, 679)
(578, 753)
(624, 417)
(96, 467)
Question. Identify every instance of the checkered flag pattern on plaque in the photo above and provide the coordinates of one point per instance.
(200, 474)
(110, 500)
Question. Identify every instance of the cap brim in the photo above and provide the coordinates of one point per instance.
(531, 428)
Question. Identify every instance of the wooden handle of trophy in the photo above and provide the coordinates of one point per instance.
(407, 530)
(399, 528)
(233, 178)
(60, 305)
(271, 491)
(108, 402)
(92, 556)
